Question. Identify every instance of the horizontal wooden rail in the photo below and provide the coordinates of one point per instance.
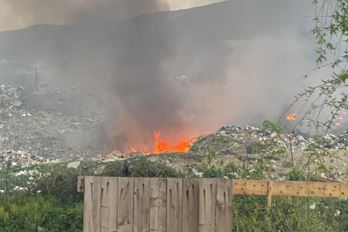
(279, 188)
(289, 188)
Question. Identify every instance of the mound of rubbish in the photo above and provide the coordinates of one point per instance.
(231, 139)
(19, 159)
(49, 122)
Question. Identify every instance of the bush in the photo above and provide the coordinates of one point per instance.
(41, 213)
(139, 167)
(286, 214)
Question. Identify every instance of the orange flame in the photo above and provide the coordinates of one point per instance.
(291, 117)
(161, 145)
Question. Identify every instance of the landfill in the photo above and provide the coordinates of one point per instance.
(40, 124)
(49, 122)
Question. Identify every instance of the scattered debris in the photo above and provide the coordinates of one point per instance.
(19, 158)
(49, 122)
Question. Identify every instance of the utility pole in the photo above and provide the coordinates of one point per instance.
(36, 76)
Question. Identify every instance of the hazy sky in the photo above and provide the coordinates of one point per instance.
(16, 14)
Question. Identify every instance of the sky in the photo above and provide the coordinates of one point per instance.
(16, 14)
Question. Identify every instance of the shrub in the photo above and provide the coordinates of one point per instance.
(41, 213)
(139, 167)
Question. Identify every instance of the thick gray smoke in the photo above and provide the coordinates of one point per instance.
(184, 73)
(31, 12)
(147, 101)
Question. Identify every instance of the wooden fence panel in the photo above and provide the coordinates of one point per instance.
(88, 201)
(223, 206)
(141, 207)
(190, 205)
(104, 205)
(115, 204)
(125, 204)
(92, 209)
(162, 209)
(207, 200)
(174, 205)
(154, 205)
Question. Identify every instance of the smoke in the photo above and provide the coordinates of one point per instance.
(17, 13)
(183, 73)
(147, 101)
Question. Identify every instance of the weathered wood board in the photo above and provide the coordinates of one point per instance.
(115, 204)
(290, 188)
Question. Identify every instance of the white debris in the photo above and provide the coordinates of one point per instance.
(312, 206)
(73, 165)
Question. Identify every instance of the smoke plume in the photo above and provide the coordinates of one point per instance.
(183, 73)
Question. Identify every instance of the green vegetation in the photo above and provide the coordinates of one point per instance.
(50, 201)
(250, 213)
(41, 213)
(44, 198)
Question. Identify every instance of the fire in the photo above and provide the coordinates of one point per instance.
(291, 117)
(161, 146)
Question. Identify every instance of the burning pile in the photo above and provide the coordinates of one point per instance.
(161, 145)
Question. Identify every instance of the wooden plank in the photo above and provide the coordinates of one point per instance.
(223, 206)
(154, 204)
(113, 204)
(174, 205)
(291, 188)
(137, 205)
(162, 207)
(145, 207)
(88, 209)
(190, 205)
(97, 203)
(141, 206)
(92, 204)
(125, 193)
(250, 187)
(336, 190)
(108, 205)
(104, 207)
(207, 202)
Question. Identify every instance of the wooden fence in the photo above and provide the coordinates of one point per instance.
(116, 204)
(289, 188)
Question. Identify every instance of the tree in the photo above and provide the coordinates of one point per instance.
(331, 33)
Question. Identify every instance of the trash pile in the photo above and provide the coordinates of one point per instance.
(297, 141)
(19, 158)
(49, 121)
